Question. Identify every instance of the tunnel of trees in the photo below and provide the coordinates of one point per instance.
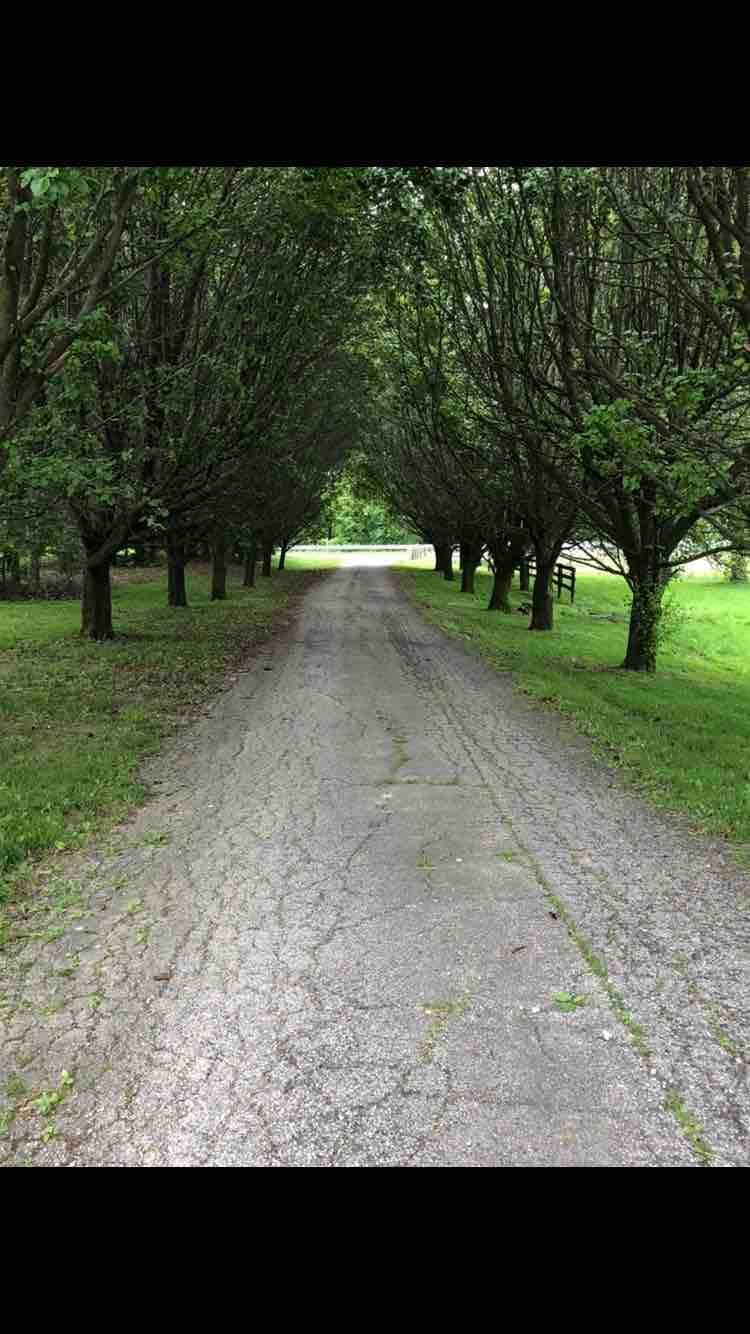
(502, 362)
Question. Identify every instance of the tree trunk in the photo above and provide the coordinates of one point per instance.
(500, 596)
(523, 578)
(251, 556)
(177, 593)
(219, 568)
(282, 556)
(442, 557)
(267, 559)
(96, 605)
(448, 561)
(471, 555)
(647, 586)
(542, 606)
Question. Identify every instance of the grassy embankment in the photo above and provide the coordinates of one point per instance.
(76, 718)
(681, 736)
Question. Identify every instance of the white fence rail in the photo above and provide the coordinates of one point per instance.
(365, 546)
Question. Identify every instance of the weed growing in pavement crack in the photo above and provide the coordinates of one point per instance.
(567, 1002)
(680, 963)
(689, 1125)
(16, 1092)
(691, 1128)
(440, 1012)
(156, 839)
(599, 969)
(14, 1087)
(49, 1099)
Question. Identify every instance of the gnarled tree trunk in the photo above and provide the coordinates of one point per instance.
(506, 549)
(647, 583)
(500, 596)
(267, 558)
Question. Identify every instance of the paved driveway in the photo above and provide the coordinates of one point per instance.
(347, 953)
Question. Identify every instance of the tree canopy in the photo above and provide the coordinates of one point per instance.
(507, 360)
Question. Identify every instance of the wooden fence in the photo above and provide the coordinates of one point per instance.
(564, 576)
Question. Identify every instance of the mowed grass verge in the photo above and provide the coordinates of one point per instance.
(76, 718)
(682, 737)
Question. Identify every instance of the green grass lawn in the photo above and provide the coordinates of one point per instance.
(681, 736)
(311, 560)
(76, 717)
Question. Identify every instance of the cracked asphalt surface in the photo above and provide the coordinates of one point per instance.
(329, 940)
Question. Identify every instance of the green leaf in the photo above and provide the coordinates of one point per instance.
(566, 1001)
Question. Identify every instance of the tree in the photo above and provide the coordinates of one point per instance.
(658, 395)
(353, 517)
(195, 360)
(613, 400)
(61, 232)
